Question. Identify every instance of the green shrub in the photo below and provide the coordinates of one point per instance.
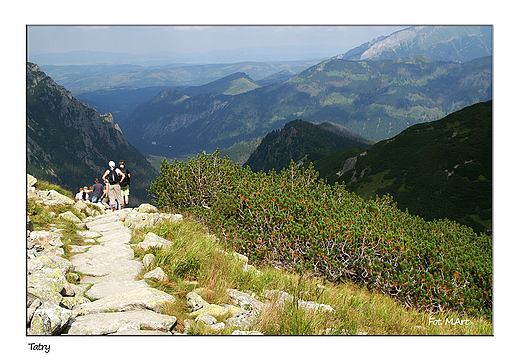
(293, 219)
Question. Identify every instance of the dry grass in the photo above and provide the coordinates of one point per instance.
(197, 256)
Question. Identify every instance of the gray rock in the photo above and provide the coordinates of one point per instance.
(46, 261)
(245, 301)
(40, 324)
(31, 181)
(48, 284)
(218, 326)
(49, 319)
(71, 302)
(137, 299)
(147, 208)
(206, 319)
(51, 197)
(32, 308)
(69, 216)
(157, 273)
(153, 240)
(247, 333)
(148, 260)
(198, 306)
(107, 323)
(242, 320)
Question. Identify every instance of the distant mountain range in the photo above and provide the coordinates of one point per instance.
(70, 144)
(375, 99)
(89, 78)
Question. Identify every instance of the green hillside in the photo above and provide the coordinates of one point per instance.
(441, 169)
(301, 142)
(230, 85)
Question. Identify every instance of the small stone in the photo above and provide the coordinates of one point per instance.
(157, 273)
(206, 319)
(148, 260)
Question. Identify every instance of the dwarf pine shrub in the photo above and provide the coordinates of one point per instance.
(295, 220)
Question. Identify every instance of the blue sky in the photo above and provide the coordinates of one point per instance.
(295, 42)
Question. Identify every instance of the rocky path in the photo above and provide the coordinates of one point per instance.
(123, 305)
(110, 300)
(110, 265)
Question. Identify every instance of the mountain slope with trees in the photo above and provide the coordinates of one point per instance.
(437, 170)
(70, 144)
(299, 141)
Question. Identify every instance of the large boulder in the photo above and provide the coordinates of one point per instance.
(153, 240)
(139, 219)
(250, 309)
(108, 323)
(48, 285)
(51, 197)
(31, 181)
(147, 208)
(49, 319)
(157, 273)
(69, 216)
(136, 299)
(49, 261)
(198, 306)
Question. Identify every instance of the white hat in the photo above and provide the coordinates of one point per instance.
(111, 164)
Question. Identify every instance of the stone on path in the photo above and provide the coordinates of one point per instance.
(136, 299)
(108, 323)
(109, 265)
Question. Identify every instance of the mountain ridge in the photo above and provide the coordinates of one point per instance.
(70, 143)
(300, 141)
(444, 43)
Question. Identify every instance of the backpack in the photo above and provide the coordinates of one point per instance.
(113, 177)
(125, 181)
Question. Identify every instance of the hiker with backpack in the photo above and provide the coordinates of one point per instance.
(114, 176)
(97, 191)
(125, 183)
(104, 197)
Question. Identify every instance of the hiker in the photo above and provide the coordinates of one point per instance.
(114, 176)
(125, 183)
(86, 192)
(104, 197)
(79, 195)
(97, 191)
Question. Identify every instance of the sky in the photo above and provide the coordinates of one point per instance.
(287, 42)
